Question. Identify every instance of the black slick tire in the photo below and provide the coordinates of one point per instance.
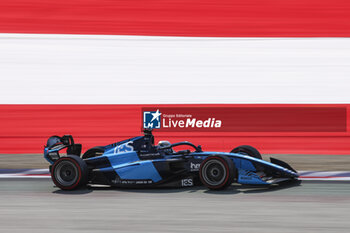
(247, 150)
(93, 152)
(217, 172)
(69, 172)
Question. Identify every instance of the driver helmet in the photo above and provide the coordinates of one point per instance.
(162, 144)
(53, 140)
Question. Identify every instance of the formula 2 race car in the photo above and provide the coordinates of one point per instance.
(137, 162)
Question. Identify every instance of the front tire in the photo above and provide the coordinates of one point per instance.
(217, 172)
(69, 172)
(247, 150)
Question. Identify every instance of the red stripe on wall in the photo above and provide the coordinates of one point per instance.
(25, 129)
(226, 18)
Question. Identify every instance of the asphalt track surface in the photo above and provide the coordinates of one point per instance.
(35, 205)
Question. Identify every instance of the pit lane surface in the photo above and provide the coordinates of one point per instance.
(34, 205)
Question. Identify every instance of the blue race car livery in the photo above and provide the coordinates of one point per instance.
(137, 162)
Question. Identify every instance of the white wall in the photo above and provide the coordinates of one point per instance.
(137, 70)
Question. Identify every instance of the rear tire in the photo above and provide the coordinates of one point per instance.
(217, 172)
(247, 150)
(69, 172)
(93, 152)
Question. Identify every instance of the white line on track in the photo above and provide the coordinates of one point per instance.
(304, 175)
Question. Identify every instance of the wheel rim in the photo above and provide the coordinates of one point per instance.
(214, 172)
(66, 173)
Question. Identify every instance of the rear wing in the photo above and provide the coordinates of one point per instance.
(55, 144)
